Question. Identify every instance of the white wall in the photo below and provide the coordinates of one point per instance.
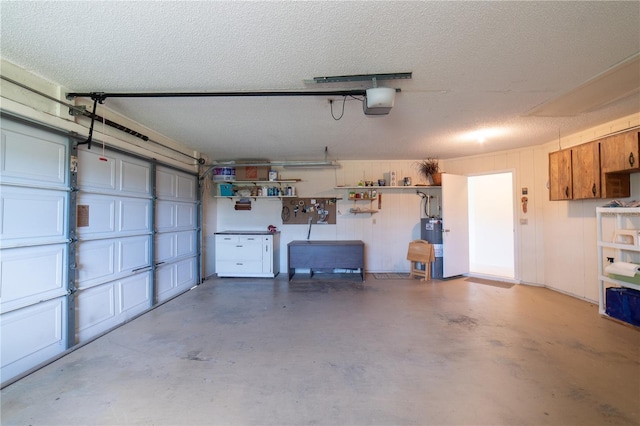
(386, 234)
(557, 248)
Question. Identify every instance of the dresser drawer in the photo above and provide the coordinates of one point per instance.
(233, 268)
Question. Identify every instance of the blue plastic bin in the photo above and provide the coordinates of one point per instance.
(623, 304)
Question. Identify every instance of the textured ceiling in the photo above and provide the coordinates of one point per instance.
(475, 65)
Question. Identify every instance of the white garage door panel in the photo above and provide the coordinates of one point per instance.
(165, 247)
(29, 275)
(134, 294)
(165, 282)
(119, 174)
(186, 272)
(133, 253)
(175, 278)
(186, 188)
(95, 262)
(186, 243)
(173, 185)
(134, 215)
(135, 177)
(165, 183)
(32, 156)
(165, 216)
(95, 310)
(32, 214)
(112, 215)
(100, 261)
(101, 210)
(186, 216)
(94, 174)
(173, 216)
(31, 335)
(103, 307)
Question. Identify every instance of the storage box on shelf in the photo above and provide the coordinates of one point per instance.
(617, 233)
(257, 189)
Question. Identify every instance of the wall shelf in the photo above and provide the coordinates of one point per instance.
(612, 222)
(256, 187)
(382, 188)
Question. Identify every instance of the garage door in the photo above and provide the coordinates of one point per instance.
(177, 232)
(34, 246)
(114, 250)
(88, 239)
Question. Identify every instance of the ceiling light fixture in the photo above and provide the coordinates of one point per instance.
(482, 135)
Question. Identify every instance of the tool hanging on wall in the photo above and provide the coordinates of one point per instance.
(318, 210)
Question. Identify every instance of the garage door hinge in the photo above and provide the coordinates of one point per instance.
(71, 291)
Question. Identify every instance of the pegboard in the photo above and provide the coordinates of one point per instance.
(297, 211)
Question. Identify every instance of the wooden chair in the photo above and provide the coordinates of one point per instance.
(421, 251)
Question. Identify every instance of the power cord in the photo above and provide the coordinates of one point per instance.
(344, 100)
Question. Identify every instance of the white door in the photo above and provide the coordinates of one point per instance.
(455, 214)
(34, 246)
(114, 253)
(177, 232)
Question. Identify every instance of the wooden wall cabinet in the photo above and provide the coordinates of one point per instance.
(599, 169)
(621, 153)
(560, 185)
(585, 171)
(620, 157)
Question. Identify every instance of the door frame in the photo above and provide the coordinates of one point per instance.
(515, 229)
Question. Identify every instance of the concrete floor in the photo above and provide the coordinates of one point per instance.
(336, 352)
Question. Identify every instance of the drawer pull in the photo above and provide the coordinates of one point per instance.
(632, 159)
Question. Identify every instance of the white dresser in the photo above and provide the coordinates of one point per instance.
(247, 254)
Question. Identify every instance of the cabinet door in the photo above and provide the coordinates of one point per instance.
(267, 254)
(560, 187)
(585, 170)
(621, 153)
